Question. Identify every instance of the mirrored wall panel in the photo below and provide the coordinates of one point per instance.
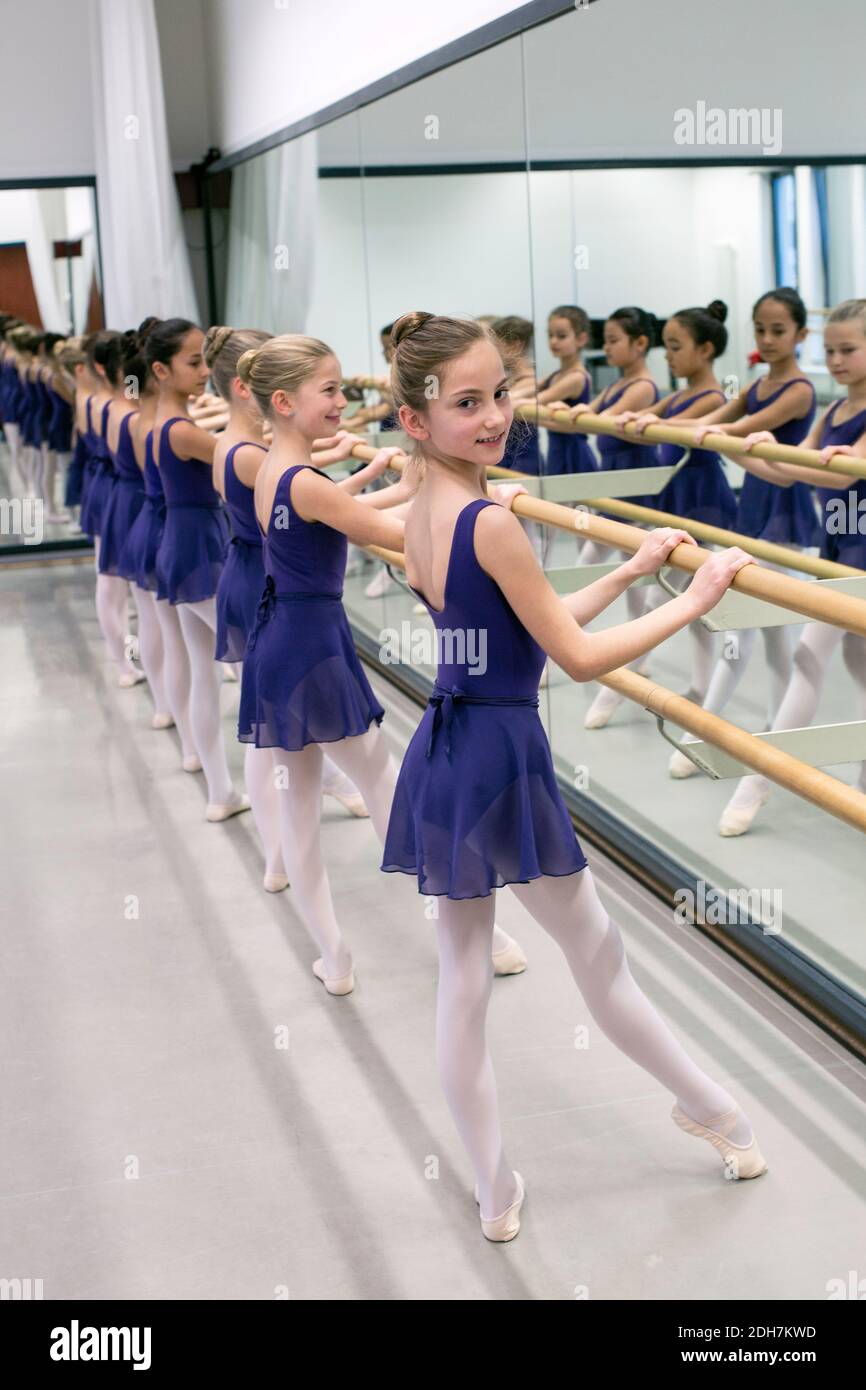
(50, 292)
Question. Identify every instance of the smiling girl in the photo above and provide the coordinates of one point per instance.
(477, 806)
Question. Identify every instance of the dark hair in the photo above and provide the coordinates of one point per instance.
(133, 362)
(637, 323)
(578, 318)
(50, 341)
(386, 331)
(791, 300)
(706, 325)
(105, 349)
(163, 339)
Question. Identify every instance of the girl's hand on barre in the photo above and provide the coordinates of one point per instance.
(580, 409)
(759, 437)
(714, 577)
(339, 445)
(655, 550)
(382, 458)
(701, 431)
(505, 493)
(831, 449)
(558, 405)
(642, 419)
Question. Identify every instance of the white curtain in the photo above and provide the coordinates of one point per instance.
(144, 255)
(45, 224)
(272, 233)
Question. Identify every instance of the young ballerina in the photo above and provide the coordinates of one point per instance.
(239, 454)
(105, 361)
(125, 497)
(784, 402)
(192, 550)
(57, 437)
(73, 364)
(137, 564)
(477, 806)
(629, 334)
(568, 331)
(700, 491)
(302, 684)
(841, 429)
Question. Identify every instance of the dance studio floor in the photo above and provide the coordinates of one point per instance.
(162, 1143)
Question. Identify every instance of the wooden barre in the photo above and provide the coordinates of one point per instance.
(713, 535)
(828, 793)
(796, 595)
(588, 423)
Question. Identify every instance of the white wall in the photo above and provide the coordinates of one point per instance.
(274, 61)
(46, 123)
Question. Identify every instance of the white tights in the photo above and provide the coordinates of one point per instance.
(151, 650)
(569, 909)
(779, 643)
(198, 624)
(636, 599)
(112, 612)
(365, 759)
(176, 674)
(797, 709)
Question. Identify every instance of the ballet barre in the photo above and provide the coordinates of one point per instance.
(589, 423)
(809, 599)
(728, 751)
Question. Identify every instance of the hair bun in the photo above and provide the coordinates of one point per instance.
(408, 323)
(245, 363)
(214, 341)
(718, 309)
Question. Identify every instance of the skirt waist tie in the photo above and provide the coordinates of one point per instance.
(269, 601)
(443, 702)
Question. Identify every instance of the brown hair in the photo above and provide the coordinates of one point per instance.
(424, 344)
(222, 349)
(578, 318)
(282, 363)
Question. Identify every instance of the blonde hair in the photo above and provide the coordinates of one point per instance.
(221, 349)
(283, 363)
(849, 309)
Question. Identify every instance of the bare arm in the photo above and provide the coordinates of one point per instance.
(586, 604)
(318, 499)
(190, 442)
(505, 553)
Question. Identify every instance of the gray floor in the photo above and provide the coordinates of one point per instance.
(159, 1144)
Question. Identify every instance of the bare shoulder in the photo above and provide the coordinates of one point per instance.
(500, 540)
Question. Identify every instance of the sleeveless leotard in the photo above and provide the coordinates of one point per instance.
(843, 510)
(569, 453)
(477, 804)
(102, 477)
(241, 584)
(767, 512)
(302, 680)
(123, 503)
(196, 534)
(617, 453)
(138, 557)
(700, 491)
